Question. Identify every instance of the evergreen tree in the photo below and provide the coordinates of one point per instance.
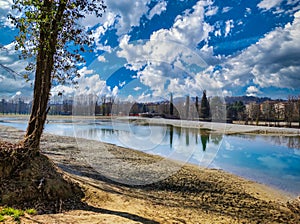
(197, 105)
(204, 108)
(171, 105)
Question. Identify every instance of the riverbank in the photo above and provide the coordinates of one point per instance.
(189, 195)
(216, 127)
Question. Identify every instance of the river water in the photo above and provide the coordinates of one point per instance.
(271, 160)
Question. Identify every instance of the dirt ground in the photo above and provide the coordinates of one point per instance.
(182, 193)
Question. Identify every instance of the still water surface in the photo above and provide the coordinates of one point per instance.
(272, 160)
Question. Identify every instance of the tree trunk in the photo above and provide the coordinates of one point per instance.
(44, 67)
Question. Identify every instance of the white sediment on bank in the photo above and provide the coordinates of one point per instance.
(216, 127)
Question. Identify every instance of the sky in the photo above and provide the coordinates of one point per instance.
(146, 50)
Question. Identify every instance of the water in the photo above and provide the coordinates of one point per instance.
(272, 160)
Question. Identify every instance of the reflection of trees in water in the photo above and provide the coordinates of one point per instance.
(288, 141)
(216, 138)
(171, 135)
(204, 139)
(94, 133)
(187, 137)
(200, 135)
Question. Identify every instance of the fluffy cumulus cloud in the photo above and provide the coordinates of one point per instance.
(89, 83)
(274, 61)
(164, 66)
(127, 13)
(157, 9)
(5, 6)
(268, 4)
(252, 91)
(11, 78)
(188, 29)
(169, 60)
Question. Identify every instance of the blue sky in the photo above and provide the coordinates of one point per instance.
(146, 50)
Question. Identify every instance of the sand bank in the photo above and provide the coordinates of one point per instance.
(189, 195)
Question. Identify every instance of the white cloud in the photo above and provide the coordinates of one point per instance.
(268, 4)
(252, 91)
(273, 61)
(226, 9)
(130, 98)
(121, 84)
(188, 29)
(12, 82)
(137, 88)
(107, 22)
(218, 33)
(89, 83)
(169, 61)
(157, 9)
(228, 26)
(122, 15)
(212, 10)
(248, 11)
(127, 13)
(146, 98)
(5, 8)
(101, 58)
(85, 71)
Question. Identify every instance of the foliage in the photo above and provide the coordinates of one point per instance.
(217, 109)
(59, 20)
(236, 110)
(31, 211)
(51, 32)
(14, 213)
(204, 107)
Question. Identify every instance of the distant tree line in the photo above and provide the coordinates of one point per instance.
(259, 112)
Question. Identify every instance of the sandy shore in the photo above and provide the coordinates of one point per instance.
(174, 193)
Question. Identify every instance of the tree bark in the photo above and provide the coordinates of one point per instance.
(44, 67)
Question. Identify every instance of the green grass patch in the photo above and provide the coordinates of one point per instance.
(14, 213)
(31, 211)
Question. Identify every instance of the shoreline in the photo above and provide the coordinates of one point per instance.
(222, 128)
(184, 124)
(191, 194)
(215, 127)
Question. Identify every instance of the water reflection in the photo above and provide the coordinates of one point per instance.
(184, 144)
(273, 160)
(191, 134)
(292, 142)
(194, 134)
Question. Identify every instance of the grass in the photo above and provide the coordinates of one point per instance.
(31, 211)
(15, 213)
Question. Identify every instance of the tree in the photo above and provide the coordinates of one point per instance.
(204, 107)
(50, 31)
(197, 106)
(187, 107)
(217, 109)
(254, 112)
(171, 105)
(236, 110)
